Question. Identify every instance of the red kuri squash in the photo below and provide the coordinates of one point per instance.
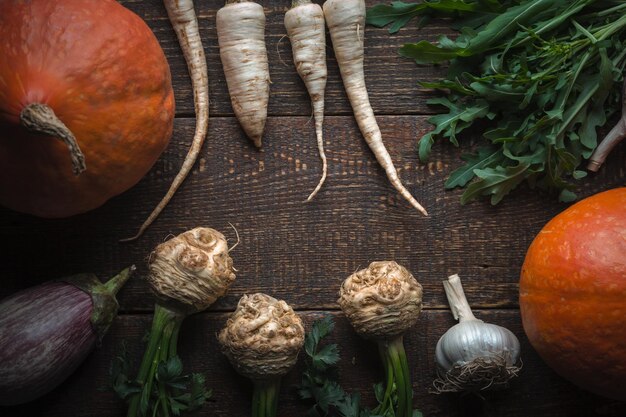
(86, 104)
(573, 293)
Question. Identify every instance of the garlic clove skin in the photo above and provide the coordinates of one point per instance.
(473, 339)
(381, 301)
(263, 337)
(192, 270)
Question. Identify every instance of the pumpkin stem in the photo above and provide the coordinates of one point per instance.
(40, 118)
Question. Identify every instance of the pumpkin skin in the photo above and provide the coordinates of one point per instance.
(102, 71)
(573, 293)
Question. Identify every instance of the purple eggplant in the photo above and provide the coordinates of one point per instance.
(47, 331)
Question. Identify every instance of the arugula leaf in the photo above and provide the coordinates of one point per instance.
(496, 182)
(424, 52)
(485, 157)
(541, 75)
(399, 13)
(567, 196)
(459, 117)
(596, 115)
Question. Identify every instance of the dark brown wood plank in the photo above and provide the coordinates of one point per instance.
(537, 392)
(392, 81)
(300, 251)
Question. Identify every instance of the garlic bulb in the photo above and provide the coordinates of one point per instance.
(473, 355)
(263, 337)
(192, 270)
(381, 301)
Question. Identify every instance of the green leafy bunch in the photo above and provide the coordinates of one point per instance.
(320, 380)
(173, 393)
(536, 78)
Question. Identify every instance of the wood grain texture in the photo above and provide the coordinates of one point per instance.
(288, 246)
(538, 391)
(301, 252)
(392, 81)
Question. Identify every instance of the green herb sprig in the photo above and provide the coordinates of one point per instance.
(539, 75)
(172, 394)
(320, 381)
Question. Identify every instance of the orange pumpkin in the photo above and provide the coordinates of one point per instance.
(88, 75)
(573, 293)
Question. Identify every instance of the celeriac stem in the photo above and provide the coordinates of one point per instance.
(394, 357)
(265, 398)
(386, 402)
(164, 334)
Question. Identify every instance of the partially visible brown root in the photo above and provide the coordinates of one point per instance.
(479, 375)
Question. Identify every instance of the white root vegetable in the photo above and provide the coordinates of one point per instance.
(241, 37)
(306, 30)
(183, 19)
(346, 23)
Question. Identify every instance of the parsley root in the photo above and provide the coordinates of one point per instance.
(306, 30)
(183, 18)
(241, 37)
(615, 136)
(346, 23)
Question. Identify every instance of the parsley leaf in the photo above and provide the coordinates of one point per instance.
(320, 385)
(183, 392)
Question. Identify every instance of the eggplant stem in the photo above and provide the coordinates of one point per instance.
(113, 285)
(459, 306)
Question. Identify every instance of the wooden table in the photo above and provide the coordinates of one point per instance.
(301, 252)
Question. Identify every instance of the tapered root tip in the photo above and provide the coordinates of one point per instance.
(405, 193)
(257, 142)
(137, 236)
(422, 210)
(317, 189)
